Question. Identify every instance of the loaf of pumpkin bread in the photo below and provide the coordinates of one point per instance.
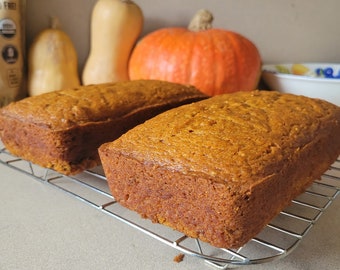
(62, 130)
(220, 169)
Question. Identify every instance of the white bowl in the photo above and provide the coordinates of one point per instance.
(311, 84)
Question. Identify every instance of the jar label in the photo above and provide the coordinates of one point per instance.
(10, 54)
(11, 49)
(8, 28)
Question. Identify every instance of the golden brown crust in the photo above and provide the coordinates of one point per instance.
(221, 168)
(62, 130)
(96, 103)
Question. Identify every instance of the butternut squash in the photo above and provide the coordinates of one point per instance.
(52, 62)
(115, 27)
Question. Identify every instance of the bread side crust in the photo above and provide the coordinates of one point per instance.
(67, 142)
(156, 170)
(217, 213)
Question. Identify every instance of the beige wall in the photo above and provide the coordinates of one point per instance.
(283, 30)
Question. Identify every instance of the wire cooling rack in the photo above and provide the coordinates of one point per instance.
(276, 240)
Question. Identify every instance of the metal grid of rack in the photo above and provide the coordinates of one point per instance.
(276, 240)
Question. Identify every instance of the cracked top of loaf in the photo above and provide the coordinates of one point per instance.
(66, 108)
(232, 136)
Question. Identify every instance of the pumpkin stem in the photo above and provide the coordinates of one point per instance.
(201, 21)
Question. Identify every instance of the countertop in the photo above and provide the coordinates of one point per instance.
(44, 228)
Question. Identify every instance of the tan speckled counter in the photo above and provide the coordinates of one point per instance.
(44, 228)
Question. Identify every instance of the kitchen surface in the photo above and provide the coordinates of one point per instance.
(44, 227)
(46, 224)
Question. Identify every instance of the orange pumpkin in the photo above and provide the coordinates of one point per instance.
(216, 61)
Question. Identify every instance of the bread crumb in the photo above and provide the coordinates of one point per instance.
(179, 258)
